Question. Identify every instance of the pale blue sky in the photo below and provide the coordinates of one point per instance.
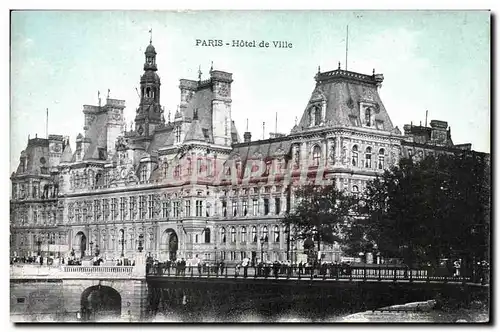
(439, 61)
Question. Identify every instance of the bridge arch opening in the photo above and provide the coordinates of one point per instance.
(169, 245)
(100, 303)
(81, 243)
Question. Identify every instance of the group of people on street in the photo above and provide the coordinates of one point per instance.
(178, 267)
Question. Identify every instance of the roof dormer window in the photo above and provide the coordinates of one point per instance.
(316, 115)
(367, 114)
(177, 134)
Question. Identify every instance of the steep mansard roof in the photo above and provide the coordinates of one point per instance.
(343, 92)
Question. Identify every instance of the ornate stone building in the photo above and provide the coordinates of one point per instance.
(187, 187)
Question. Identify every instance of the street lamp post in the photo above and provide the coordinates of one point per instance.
(91, 243)
(262, 248)
(215, 256)
(122, 242)
(59, 247)
(39, 244)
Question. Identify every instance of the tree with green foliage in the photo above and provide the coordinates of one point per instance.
(427, 210)
(319, 214)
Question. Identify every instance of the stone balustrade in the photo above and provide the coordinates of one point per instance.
(28, 271)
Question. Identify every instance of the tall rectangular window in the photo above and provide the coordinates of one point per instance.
(188, 208)
(255, 208)
(142, 206)
(177, 134)
(105, 209)
(277, 205)
(114, 203)
(131, 207)
(177, 171)
(176, 209)
(199, 208)
(150, 206)
(144, 173)
(209, 167)
(164, 209)
(122, 208)
(97, 209)
(266, 206)
(199, 166)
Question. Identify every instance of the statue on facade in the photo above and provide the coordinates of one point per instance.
(344, 153)
(332, 151)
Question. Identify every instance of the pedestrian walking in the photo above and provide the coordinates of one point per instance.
(245, 264)
(221, 266)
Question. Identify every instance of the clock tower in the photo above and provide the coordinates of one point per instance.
(149, 112)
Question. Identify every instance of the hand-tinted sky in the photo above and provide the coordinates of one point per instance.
(436, 61)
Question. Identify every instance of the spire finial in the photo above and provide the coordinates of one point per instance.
(339, 65)
(151, 35)
(108, 93)
(169, 116)
(319, 69)
(295, 120)
(211, 66)
(199, 72)
(373, 71)
(99, 97)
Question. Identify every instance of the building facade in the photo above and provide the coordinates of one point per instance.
(188, 187)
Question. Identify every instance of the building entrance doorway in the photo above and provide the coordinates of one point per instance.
(81, 244)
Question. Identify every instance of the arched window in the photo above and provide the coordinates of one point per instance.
(222, 235)
(368, 157)
(254, 234)
(368, 117)
(243, 234)
(316, 157)
(233, 235)
(276, 234)
(207, 235)
(265, 234)
(354, 155)
(381, 153)
(148, 92)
